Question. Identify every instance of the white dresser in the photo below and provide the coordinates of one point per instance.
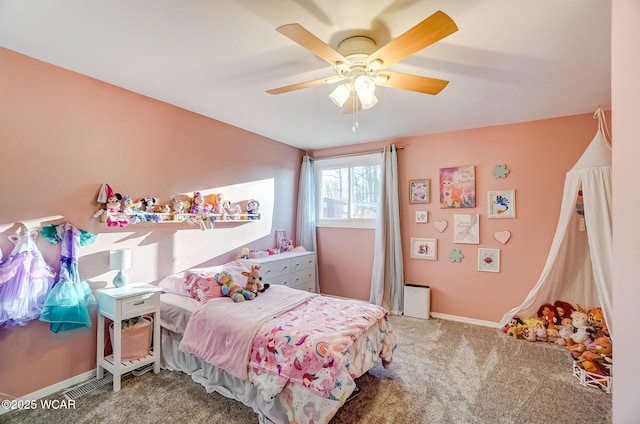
(294, 269)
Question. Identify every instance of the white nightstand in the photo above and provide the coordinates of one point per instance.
(119, 304)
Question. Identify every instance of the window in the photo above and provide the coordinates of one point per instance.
(348, 190)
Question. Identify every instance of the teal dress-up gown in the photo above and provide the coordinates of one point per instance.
(67, 305)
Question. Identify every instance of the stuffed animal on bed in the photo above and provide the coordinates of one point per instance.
(232, 289)
(254, 280)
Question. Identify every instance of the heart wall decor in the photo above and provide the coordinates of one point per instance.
(440, 225)
(502, 236)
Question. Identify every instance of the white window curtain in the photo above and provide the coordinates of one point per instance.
(387, 278)
(306, 217)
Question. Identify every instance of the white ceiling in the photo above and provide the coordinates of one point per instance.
(511, 61)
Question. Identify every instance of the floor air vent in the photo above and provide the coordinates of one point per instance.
(88, 387)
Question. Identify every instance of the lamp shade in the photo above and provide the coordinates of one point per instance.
(119, 259)
(340, 94)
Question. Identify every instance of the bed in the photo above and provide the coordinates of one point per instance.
(290, 355)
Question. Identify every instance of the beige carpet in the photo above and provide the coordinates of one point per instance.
(443, 372)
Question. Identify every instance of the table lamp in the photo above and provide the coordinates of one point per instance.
(119, 260)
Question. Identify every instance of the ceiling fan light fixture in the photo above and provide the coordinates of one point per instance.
(368, 101)
(340, 94)
(365, 87)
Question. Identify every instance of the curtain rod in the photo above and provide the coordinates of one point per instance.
(359, 153)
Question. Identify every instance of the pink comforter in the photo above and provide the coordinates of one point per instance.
(222, 332)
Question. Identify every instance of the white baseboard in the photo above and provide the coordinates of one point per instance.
(466, 320)
(55, 387)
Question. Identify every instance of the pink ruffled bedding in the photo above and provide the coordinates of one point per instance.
(300, 351)
(221, 331)
(287, 335)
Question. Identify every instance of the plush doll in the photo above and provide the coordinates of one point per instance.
(232, 289)
(580, 340)
(217, 202)
(150, 204)
(563, 310)
(565, 330)
(197, 203)
(598, 327)
(252, 209)
(547, 313)
(115, 217)
(254, 280)
(600, 354)
(529, 334)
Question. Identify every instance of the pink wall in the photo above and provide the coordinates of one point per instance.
(62, 135)
(538, 155)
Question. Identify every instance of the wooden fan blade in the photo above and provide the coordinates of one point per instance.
(306, 39)
(427, 32)
(413, 82)
(298, 86)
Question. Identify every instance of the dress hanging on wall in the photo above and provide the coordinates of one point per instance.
(25, 280)
(67, 305)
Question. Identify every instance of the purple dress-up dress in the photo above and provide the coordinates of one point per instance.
(67, 305)
(25, 280)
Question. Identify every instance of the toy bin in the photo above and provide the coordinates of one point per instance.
(136, 340)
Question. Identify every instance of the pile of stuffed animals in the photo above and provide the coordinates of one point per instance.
(120, 210)
(238, 293)
(583, 333)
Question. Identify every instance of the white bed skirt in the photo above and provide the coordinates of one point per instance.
(216, 380)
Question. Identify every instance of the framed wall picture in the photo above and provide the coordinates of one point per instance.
(458, 187)
(422, 217)
(419, 191)
(502, 204)
(424, 248)
(489, 260)
(466, 228)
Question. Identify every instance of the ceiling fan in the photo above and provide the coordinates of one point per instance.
(359, 67)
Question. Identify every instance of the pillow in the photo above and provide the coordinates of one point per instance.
(175, 283)
(201, 284)
(202, 288)
(235, 268)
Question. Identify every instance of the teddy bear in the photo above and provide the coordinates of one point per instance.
(254, 280)
(600, 354)
(597, 324)
(232, 289)
(580, 340)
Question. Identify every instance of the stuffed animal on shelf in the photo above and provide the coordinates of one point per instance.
(254, 280)
(232, 289)
(197, 203)
(252, 209)
(115, 216)
(150, 204)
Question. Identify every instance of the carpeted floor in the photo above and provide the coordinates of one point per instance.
(443, 372)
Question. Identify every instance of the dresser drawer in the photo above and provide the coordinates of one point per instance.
(139, 305)
(273, 269)
(303, 262)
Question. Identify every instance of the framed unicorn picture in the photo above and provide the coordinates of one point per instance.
(502, 204)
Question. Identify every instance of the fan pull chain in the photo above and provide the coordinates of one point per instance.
(356, 124)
